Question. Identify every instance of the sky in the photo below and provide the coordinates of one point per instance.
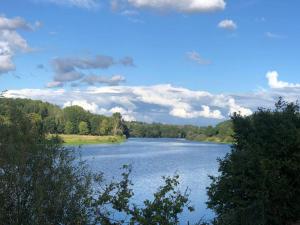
(180, 62)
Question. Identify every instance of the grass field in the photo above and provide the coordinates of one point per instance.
(89, 139)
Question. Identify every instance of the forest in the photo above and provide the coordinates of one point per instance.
(76, 120)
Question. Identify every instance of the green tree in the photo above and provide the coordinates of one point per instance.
(117, 124)
(164, 208)
(83, 128)
(259, 182)
(69, 128)
(75, 114)
(50, 125)
(39, 182)
(104, 127)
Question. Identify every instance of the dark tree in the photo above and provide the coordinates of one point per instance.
(259, 182)
(40, 183)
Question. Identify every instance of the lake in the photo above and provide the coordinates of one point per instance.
(153, 158)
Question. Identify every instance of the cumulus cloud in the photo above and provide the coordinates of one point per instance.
(91, 107)
(273, 81)
(227, 25)
(128, 115)
(11, 42)
(14, 23)
(205, 112)
(187, 6)
(74, 69)
(160, 103)
(165, 103)
(196, 57)
(235, 108)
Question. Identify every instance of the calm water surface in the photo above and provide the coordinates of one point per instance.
(153, 158)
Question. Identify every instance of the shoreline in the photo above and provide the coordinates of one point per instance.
(70, 139)
(73, 139)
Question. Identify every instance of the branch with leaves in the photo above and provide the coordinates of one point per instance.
(2, 93)
(167, 204)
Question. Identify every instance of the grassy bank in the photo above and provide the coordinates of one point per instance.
(89, 139)
(214, 139)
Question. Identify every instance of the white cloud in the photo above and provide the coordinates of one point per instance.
(161, 103)
(205, 113)
(54, 84)
(13, 24)
(188, 6)
(273, 81)
(196, 57)
(11, 42)
(88, 4)
(6, 58)
(166, 103)
(234, 108)
(128, 115)
(92, 107)
(227, 25)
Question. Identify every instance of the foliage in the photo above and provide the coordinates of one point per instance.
(221, 133)
(168, 202)
(39, 183)
(75, 139)
(259, 182)
(69, 128)
(42, 182)
(83, 128)
(67, 121)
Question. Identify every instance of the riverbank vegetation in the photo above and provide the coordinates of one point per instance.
(259, 182)
(74, 120)
(221, 133)
(43, 182)
(72, 139)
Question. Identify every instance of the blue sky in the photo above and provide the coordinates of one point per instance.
(224, 48)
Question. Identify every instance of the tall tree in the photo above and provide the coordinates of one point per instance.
(259, 182)
(104, 127)
(117, 124)
(83, 128)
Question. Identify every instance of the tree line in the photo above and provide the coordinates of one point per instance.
(69, 120)
(76, 120)
(222, 132)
